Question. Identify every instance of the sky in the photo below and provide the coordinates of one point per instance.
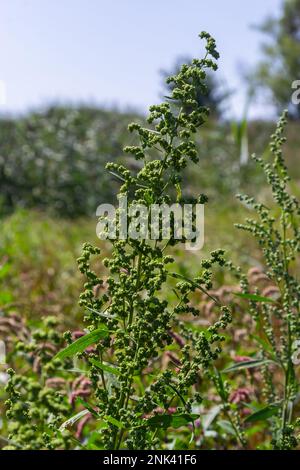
(111, 52)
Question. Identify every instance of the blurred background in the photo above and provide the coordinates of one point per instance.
(73, 75)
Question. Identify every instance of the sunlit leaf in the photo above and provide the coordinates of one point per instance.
(82, 343)
(73, 419)
(87, 406)
(255, 297)
(105, 367)
(247, 365)
(226, 426)
(263, 414)
(170, 420)
(114, 421)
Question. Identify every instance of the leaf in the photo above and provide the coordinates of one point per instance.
(82, 343)
(178, 192)
(5, 297)
(117, 176)
(210, 417)
(192, 437)
(255, 297)
(167, 420)
(4, 270)
(246, 365)
(104, 367)
(87, 406)
(263, 414)
(75, 370)
(251, 431)
(226, 426)
(222, 389)
(114, 421)
(266, 346)
(73, 419)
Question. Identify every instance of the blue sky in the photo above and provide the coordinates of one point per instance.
(111, 52)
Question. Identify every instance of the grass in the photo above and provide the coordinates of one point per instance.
(39, 253)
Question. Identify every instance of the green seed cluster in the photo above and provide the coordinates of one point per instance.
(35, 411)
(142, 322)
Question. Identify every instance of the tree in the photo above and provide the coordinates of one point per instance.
(280, 66)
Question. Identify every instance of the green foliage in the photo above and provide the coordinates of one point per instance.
(167, 359)
(138, 316)
(263, 414)
(35, 409)
(143, 324)
(82, 343)
(56, 160)
(281, 57)
(210, 94)
(39, 253)
(279, 239)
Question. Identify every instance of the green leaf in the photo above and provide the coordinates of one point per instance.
(114, 421)
(251, 431)
(166, 420)
(117, 176)
(104, 367)
(222, 389)
(5, 297)
(226, 426)
(255, 297)
(87, 406)
(178, 191)
(263, 414)
(82, 343)
(73, 419)
(246, 365)
(266, 346)
(4, 270)
(210, 417)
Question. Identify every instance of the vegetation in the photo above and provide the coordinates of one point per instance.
(176, 349)
(279, 67)
(276, 315)
(214, 96)
(55, 160)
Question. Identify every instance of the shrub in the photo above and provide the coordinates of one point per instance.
(55, 160)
